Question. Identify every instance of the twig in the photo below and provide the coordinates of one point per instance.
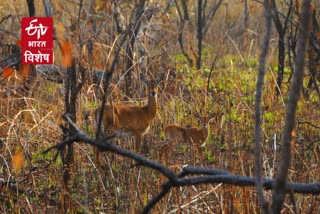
(11, 185)
(215, 59)
(307, 122)
(293, 200)
(156, 199)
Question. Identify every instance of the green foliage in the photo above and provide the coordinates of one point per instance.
(269, 116)
(287, 70)
(313, 98)
(206, 54)
(250, 62)
(275, 68)
(209, 156)
(180, 59)
(234, 117)
(228, 60)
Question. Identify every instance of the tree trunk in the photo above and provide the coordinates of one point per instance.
(279, 188)
(134, 30)
(199, 34)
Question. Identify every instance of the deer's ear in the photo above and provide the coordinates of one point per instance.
(160, 78)
(197, 115)
(143, 78)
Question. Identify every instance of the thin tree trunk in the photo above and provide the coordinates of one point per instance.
(279, 189)
(281, 29)
(130, 47)
(67, 155)
(281, 57)
(185, 10)
(199, 34)
(258, 121)
(31, 8)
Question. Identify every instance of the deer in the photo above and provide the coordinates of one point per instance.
(122, 120)
(175, 134)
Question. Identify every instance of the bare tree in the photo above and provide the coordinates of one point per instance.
(313, 57)
(281, 29)
(31, 8)
(204, 17)
(183, 20)
(279, 189)
(204, 21)
(134, 28)
(67, 155)
(199, 33)
(258, 121)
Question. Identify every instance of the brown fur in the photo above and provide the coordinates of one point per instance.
(178, 135)
(123, 120)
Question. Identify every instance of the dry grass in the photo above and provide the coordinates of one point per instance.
(32, 125)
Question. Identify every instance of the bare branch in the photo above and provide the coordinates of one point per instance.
(216, 59)
(309, 123)
(108, 79)
(79, 136)
(209, 18)
(47, 7)
(12, 185)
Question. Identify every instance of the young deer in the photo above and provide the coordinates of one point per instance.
(175, 135)
(123, 120)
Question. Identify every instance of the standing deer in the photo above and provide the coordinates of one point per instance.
(123, 120)
(197, 137)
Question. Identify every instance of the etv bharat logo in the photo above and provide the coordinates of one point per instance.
(37, 40)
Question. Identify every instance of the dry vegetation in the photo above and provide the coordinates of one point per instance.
(30, 120)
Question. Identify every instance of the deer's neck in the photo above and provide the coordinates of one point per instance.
(206, 131)
(151, 107)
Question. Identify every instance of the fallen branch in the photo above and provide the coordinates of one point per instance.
(79, 136)
(309, 123)
(14, 185)
(196, 175)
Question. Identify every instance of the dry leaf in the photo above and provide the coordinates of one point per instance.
(60, 31)
(18, 161)
(18, 43)
(7, 72)
(25, 70)
(293, 136)
(66, 53)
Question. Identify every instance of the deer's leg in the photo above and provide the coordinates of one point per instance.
(96, 151)
(96, 154)
(164, 151)
(200, 152)
(138, 142)
(161, 152)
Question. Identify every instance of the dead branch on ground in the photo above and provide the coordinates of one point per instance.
(196, 175)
